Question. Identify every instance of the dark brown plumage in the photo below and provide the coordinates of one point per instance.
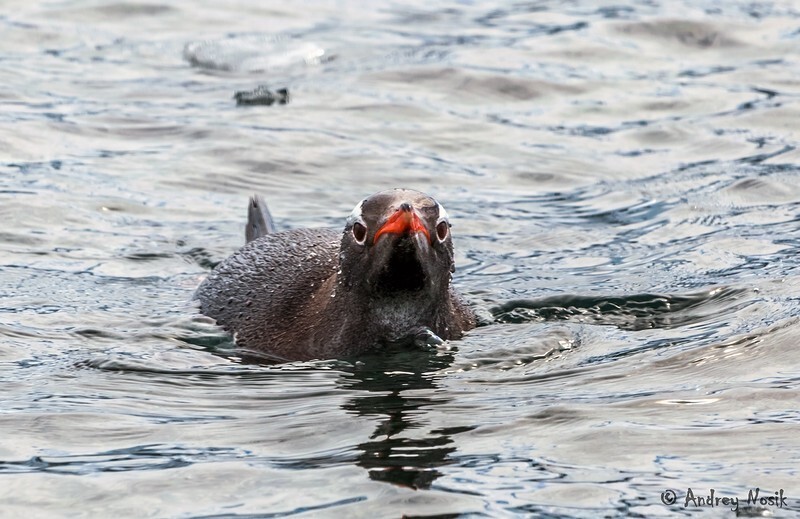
(318, 293)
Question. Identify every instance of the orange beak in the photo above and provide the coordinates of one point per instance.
(404, 220)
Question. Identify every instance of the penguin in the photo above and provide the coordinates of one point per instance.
(306, 294)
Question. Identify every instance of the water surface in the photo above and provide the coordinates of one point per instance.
(624, 185)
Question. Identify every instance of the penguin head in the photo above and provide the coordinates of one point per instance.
(395, 243)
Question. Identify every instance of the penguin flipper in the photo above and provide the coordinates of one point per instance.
(259, 221)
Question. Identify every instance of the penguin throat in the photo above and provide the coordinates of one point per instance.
(403, 271)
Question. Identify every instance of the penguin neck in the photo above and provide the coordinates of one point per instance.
(391, 316)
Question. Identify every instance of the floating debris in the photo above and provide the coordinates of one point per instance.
(261, 96)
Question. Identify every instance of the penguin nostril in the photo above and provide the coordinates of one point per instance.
(405, 207)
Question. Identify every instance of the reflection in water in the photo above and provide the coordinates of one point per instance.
(392, 387)
(397, 386)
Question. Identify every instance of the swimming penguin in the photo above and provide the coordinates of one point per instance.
(320, 294)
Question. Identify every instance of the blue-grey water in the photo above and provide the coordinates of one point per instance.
(624, 183)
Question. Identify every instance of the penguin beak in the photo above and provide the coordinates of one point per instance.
(403, 221)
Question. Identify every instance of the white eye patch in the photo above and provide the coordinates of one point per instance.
(443, 216)
(355, 216)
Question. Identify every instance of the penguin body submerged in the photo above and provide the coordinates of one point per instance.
(320, 293)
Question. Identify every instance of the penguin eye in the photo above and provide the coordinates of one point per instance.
(442, 228)
(359, 233)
